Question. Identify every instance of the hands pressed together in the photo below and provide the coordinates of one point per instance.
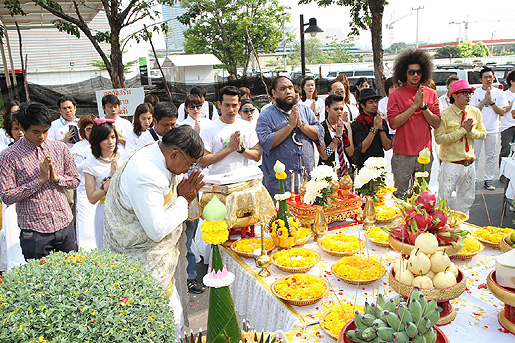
(189, 187)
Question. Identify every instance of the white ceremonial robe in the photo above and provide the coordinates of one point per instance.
(138, 225)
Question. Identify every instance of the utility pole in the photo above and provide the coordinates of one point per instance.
(417, 9)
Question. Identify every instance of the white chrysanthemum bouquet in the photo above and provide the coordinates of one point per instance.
(323, 183)
(371, 178)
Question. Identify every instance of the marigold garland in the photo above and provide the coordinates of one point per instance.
(377, 234)
(214, 232)
(279, 229)
(492, 234)
(281, 176)
(386, 213)
(341, 242)
(304, 232)
(423, 160)
(470, 245)
(339, 315)
(296, 257)
(359, 268)
(249, 245)
(300, 287)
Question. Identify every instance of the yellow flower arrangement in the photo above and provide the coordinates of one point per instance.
(300, 287)
(377, 234)
(386, 190)
(214, 232)
(386, 213)
(279, 229)
(296, 257)
(492, 234)
(359, 268)
(424, 156)
(281, 176)
(470, 245)
(339, 315)
(341, 242)
(304, 232)
(249, 245)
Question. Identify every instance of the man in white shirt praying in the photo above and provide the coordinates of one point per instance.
(147, 205)
(230, 142)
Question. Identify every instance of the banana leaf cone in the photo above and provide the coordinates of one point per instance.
(222, 324)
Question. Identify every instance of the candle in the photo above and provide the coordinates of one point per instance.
(292, 182)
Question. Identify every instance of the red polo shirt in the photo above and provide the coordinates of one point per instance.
(415, 134)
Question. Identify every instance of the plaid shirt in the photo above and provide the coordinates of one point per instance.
(43, 208)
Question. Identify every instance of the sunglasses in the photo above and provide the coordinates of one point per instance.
(192, 165)
(192, 107)
(466, 93)
(251, 110)
(412, 72)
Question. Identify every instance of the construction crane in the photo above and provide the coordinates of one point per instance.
(466, 23)
(389, 26)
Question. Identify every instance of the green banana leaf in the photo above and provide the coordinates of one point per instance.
(222, 324)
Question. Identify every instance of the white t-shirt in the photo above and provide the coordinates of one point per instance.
(203, 122)
(320, 106)
(217, 135)
(4, 137)
(98, 169)
(123, 127)
(354, 111)
(145, 138)
(383, 106)
(131, 141)
(507, 120)
(444, 101)
(490, 118)
(59, 128)
(204, 112)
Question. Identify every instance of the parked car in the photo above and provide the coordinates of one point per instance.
(469, 73)
(349, 73)
(501, 72)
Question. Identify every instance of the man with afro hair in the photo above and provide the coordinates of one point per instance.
(412, 111)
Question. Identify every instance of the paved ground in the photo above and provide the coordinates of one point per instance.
(486, 210)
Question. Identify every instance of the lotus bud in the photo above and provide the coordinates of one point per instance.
(279, 167)
(424, 153)
(214, 211)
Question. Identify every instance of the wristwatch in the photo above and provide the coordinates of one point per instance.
(242, 150)
(373, 130)
(303, 124)
(492, 102)
(423, 108)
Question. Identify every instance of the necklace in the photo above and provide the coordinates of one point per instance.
(294, 134)
(330, 126)
(108, 160)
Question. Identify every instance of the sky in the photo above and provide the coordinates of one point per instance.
(497, 21)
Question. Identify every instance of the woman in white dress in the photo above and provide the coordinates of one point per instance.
(85, 211)
(99, 169)
(310, 98)
(11, 243)
(142, 122)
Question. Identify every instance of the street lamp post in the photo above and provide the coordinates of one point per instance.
(312, 29)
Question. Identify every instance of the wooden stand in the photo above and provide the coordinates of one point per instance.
(507, 316)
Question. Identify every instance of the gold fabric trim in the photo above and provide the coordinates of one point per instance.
(263, 283)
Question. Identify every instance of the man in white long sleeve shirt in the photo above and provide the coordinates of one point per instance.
(147, 206)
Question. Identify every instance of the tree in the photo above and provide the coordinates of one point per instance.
(395, 48)
(312, 51)
(365, 15)
(448, 51)
(120, 14)
(338, 50)
(100, 65)
(469, 49)
(230, 29)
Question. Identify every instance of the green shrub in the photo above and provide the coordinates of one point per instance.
(95, 296)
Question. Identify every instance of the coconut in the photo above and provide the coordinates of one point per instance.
(427, 243)
(440, 261)
(422, 281)
(453, 269)
(419, 263)
(444, 279)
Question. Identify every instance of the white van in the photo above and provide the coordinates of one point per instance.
(349, 73)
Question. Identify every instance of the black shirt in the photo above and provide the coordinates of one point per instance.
(359, 133)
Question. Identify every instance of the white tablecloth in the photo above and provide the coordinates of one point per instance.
(477, 307)
(507, 169)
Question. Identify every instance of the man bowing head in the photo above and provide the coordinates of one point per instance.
(146, 207)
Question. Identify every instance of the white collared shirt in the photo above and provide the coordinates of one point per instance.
(147, 137)
(59, 128)
(143, 186)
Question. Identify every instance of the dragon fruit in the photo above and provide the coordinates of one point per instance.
(422, 219)
(426, 199)
(413, 236)
(400, 233)
(440, 216)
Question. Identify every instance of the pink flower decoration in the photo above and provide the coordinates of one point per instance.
(125, 299)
